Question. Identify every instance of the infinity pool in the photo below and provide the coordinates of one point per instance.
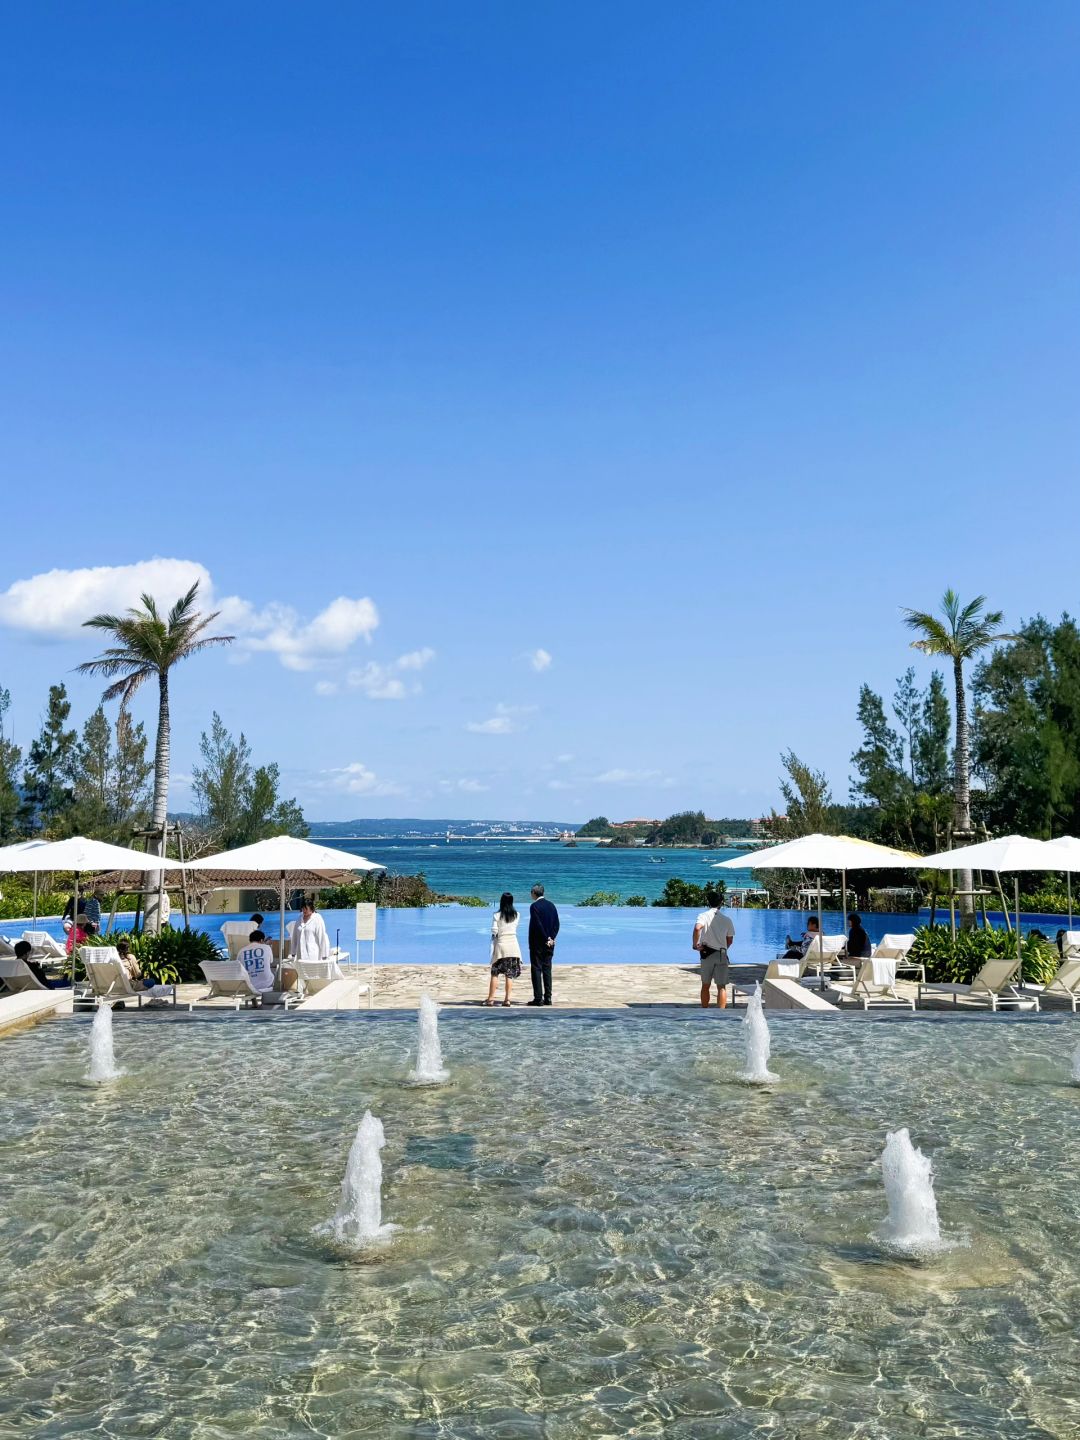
(451, 935)
(602, 1234)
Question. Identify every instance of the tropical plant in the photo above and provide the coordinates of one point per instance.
(601, 897)
(146, 647)
(48, 784)
(684, 894)
(171, 957)
(10, 755)
(1027, 730)
(958, 634)
(240, 804)
(635, 900)
(956, 961)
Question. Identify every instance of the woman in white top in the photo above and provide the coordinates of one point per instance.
(505, 949)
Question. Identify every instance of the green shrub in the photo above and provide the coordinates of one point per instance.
(171, 958)
(957, 962)
(683, 894)
(636, 900)
(601, 897)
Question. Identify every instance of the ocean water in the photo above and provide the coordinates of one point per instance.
(488, 867)
(602, 1233)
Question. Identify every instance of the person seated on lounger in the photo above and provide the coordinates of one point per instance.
(796, 949)
(127, 959)
(23, 951)
(858, 942)
(258, 960)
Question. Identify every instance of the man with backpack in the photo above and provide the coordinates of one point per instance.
(713, 935)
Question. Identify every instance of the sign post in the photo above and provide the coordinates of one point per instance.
(365, 930)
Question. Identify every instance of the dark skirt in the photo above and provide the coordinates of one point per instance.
(509, 965)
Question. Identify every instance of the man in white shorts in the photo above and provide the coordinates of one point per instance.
(713, 935)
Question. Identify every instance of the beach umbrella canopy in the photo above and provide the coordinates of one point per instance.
(1010, 852)
(824, 852)
(291, 861)
(284, 853)
(81, 855)
(1069, 847)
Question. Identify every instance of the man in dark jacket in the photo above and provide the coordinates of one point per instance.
(543, 927)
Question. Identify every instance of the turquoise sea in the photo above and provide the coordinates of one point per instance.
(488, 867)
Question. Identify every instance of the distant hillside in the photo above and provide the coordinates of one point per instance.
(422, 829)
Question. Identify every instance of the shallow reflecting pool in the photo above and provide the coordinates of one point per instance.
(603, 1233)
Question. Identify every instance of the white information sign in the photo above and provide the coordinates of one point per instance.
(365, 922)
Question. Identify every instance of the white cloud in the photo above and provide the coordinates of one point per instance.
(463, 786)
(631, 777)
(503, 722)
(563, 759)
(561, 785)
(384, 682)
(326, 687)
(54, 605)
(540, 660)
(415, 659)
(356, 779)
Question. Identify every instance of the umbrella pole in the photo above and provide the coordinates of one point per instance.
(843, 893)
(74, 934)
(820, 932)
(1068, 884)
(1019, 951)
(36, 884)
(281, 933)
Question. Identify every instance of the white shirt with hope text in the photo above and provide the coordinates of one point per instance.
(258, 961)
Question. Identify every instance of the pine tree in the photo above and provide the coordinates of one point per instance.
(49, 779)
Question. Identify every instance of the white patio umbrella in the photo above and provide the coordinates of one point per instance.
(84, 857)
(1010, 853)
(20, 848)
(291, 861)
(1069, 846)
(825, 852)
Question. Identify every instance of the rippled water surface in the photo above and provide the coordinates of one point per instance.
(603, 1233)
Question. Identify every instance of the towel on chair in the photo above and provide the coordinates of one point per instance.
(884, 972)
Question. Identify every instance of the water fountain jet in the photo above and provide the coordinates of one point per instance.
(103, 1067)
(358, 1220)
(1076, 1066)
(911, 1229)
(758, 1044)
(429, 1067)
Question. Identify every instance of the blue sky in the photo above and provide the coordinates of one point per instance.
(683, 346)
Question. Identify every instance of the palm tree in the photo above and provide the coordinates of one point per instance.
(146, 646)
(961, 634)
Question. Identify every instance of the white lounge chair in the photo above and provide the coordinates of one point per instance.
(1070, 945)
(7, 949)
(229, 980)
(994, 985)
(897, 947)
(315, 975)
(109, 980)
(1066, 983)
(16, 976)
(875, 985)
(236, 934)
(44, 946)
(825, 953)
